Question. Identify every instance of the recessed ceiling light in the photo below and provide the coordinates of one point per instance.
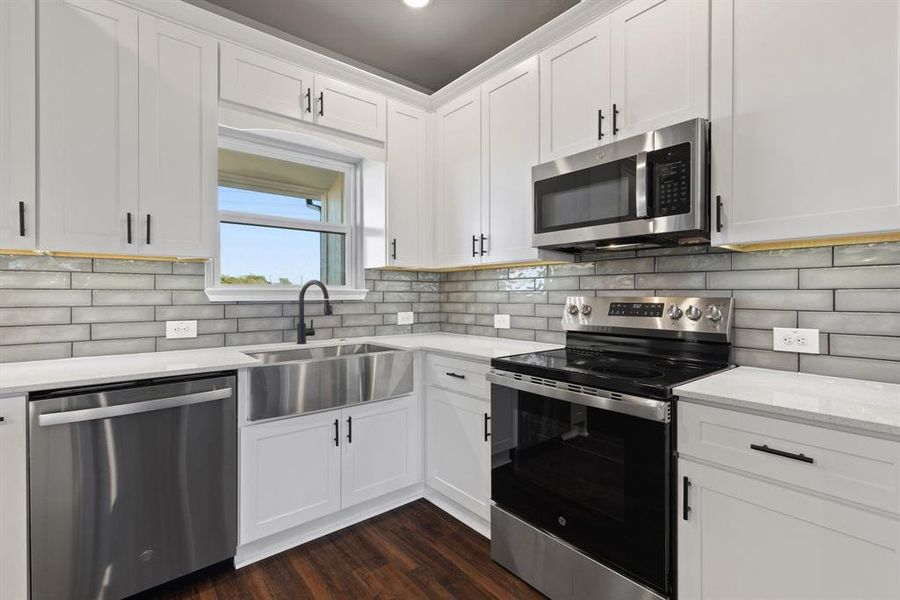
(416, 3)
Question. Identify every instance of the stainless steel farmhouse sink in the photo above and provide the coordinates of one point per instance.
(306, 380)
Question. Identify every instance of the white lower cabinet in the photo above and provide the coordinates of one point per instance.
(299, 469)
(458, 449)
(745, 538)
(13, 498)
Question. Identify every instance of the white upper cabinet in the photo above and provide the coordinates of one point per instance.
(381, 449)
(88, 110)
(660, 64)
(805, 108)
(349, 108)
(575, 92)
(178, 140)
(457, 213)
(410, 239)
(17, 125)
(266, 83)
(276, 86)
(509, 148)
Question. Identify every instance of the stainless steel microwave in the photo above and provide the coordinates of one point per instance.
(647, 190)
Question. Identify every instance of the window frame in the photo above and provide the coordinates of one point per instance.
(354, 276)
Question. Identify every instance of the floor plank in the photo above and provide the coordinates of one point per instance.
(415, 551)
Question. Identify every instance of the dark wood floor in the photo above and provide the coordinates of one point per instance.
(415, 551)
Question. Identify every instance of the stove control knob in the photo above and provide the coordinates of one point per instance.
(675, 312)
(694, 313)
(586, 310)
(714, 313)
(573, 309)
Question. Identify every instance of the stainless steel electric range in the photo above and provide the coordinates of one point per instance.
(583, 445)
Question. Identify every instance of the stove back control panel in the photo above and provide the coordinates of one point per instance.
(673, 314)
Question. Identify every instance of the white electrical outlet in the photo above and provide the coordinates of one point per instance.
(501, 321)
(805, 341)
(404, 318)
(181, 329)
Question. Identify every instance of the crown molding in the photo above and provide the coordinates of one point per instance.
(196, 15)
(579, 16)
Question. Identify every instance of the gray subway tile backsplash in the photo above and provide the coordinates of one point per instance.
(848, 292)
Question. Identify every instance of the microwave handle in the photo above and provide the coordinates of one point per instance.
(640, 187)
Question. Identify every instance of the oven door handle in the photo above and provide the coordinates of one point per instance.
(644, 408)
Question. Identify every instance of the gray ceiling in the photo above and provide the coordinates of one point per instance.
(427, 47)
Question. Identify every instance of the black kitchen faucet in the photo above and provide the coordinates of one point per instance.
(302, 331)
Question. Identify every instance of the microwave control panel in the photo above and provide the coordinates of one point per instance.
(669, 175)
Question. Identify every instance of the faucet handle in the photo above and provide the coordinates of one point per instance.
(311, 330)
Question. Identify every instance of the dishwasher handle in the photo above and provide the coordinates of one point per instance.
(120, 410)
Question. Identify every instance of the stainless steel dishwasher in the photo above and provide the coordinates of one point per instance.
(131, 485)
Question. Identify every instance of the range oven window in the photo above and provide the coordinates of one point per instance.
(594, 478)
(602, 194)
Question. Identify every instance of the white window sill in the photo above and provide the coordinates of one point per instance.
(251, 293)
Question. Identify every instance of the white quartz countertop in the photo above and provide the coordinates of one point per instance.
(836, 401)
(70, 372)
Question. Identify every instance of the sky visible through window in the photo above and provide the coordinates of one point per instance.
(279, 255)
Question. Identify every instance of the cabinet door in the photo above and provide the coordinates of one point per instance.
(88, 111)
(457, 215)
(409, 225)
(13, 499)
(381, 449)
(17, 125)
(349, 108)
(747, 539)
(290, 473)
(660, 63)
(459, 453)
(265, 83)
(575, 92)
(178, 133)
(805, 131)
(509, 148)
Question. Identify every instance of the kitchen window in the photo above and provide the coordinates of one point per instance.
(285, 217)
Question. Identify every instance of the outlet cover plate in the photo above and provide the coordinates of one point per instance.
(181, 329)
(501, 321)
(404, 318)
(803, 341)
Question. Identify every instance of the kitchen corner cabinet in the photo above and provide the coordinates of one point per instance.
(13, 498)
(805, 131)
(141, 93)
(276, 86)
(17, 125)
(410, 239)
(457, 213)
(747, 538)
(660, 64)
(458, 449)
(575, 92)
(303, 468)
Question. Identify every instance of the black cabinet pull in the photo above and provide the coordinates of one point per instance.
(487, 433)
(148, 229)
(615, 120)
(128, 227)
(394, 249)
(483, 240)
(21, 219)
(718, 213)
(455, 375)
(308, 100)
(321, 104)
(474, 241)
(350, 430)
(685, 507)
(776, 452)
(600, 124)
(336, 442)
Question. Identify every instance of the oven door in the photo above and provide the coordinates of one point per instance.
(596, 478)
